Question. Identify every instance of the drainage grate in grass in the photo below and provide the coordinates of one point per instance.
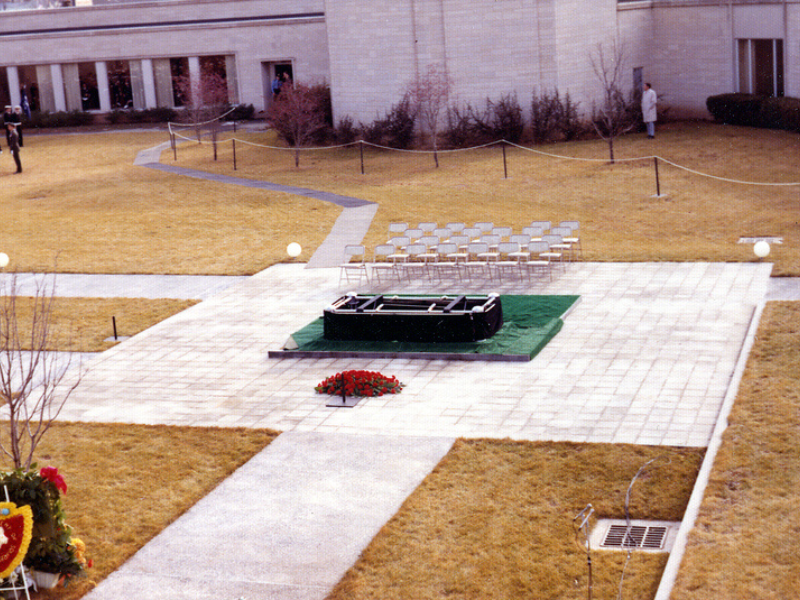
(653, 536)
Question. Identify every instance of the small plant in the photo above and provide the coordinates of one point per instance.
(359, 383)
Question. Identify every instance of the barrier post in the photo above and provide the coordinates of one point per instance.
(233, 142)
(361, 150)
(505, 163)
(214, 142)
(174, 145)
(658, 182)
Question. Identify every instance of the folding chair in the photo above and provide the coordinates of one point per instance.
(415, 263)
(354, 263)
(539, 259)
(477, 258)
(573, 238)
(448, 261)
(508, 259)
(381, 263)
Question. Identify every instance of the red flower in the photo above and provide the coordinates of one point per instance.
(51, 474)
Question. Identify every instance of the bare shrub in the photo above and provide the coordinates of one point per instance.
(31, 370)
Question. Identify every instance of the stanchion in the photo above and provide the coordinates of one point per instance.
(361, 149)
(658, 182)
(233, 141)
(505, 163)
(174, 145)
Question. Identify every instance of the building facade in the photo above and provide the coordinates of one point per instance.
(103, 55)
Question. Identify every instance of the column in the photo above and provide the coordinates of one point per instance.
(102, 85)
(149, 83)
(194, 71)
(59, 97)
(13, 85)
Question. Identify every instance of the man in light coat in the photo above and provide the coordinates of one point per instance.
(649, 110)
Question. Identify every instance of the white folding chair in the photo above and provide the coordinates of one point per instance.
(557, 248)
(443, 233)
(545, 225)
(397, 228)
(539, 259)
(508, 259)
(354, 263)
(567, 240)
(573, 237)
(448, 261)
(484, 226)
(381, 263)
(477, 259)
(535, 233)
(427, 226)
(455, 226)
(415, 263)
(503, 232)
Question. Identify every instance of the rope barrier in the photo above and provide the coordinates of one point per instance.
(363, 143)
(191, 125)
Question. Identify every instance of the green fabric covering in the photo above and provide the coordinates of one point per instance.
(529, 323)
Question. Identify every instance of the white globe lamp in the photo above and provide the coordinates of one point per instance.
(293, 250)
(3, 260)
(761, 249)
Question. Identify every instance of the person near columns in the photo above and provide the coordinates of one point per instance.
(13, 144)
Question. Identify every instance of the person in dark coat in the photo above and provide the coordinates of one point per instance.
(13, 144)
(16, 118)
(8, 116)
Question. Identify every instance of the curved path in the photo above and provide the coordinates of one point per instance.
(349, 228)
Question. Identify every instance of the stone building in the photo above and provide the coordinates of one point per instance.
(103, 54)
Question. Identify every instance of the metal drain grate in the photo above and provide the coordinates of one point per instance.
(635, 536)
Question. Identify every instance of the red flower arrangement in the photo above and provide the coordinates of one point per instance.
(359, 383)
(52, 475)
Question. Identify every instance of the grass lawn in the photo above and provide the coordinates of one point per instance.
(698, 219)
(494, 518)
(744, 544)
(80, 206)
(85, 324)
(128, 482)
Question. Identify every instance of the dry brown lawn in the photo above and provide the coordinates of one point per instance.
(495, 520)
(81, 201)
(128, 482)
(85, 324)
(745, 541)
(697, 219)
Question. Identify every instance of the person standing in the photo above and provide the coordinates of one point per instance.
(276, 86)
(16, 118)
(13, 144)
(8, 117)
(649, 115)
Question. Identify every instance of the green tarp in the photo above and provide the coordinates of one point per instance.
(529, 323)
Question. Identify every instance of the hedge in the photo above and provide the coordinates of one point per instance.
(756, 111)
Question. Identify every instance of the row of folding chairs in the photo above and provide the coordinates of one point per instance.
(449, 261)
(431, 235)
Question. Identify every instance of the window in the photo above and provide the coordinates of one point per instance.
(760, 66)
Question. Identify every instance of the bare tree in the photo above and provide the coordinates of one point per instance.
(429, 94)
(300, 114)
(31, 369)
(205, 100)
(613, 117)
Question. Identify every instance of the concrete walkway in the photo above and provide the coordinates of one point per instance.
(287, 525)
(647, 357)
